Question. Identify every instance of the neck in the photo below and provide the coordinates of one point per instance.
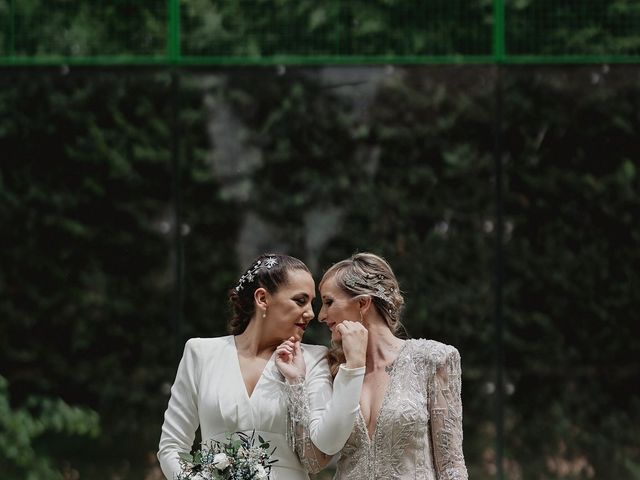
(382, 346)
(254, 342)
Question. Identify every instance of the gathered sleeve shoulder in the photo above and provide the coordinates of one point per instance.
(181, 416)
(321, 411)
(444, 396)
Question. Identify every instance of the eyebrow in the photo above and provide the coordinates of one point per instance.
(302, 294)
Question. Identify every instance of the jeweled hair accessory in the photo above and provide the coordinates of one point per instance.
(250, 274)
(370, 282)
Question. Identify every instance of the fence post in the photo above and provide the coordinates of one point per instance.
(177, 244)
(173, 30)
(12, 29)
(499, 273)
(499, 42)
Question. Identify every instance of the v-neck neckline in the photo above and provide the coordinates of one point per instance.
(371, 437)
(243, 384)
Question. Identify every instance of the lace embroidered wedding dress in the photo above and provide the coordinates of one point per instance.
(418, 433)
(209, 392)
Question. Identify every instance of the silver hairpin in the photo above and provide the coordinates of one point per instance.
(370, 283)
(250, 275)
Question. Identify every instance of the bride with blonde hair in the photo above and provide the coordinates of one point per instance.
(409, 419)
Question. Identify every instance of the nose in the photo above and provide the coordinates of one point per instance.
(322, 317)
(308, 314)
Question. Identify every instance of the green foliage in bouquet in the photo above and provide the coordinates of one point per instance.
(239, 458)
(20, 429)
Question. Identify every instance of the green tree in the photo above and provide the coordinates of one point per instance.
(20, 430)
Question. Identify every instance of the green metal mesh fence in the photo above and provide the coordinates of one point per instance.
(250, 28)
(35, 29)
(211, 32)
(573, 28)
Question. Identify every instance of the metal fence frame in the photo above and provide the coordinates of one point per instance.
(174, 56)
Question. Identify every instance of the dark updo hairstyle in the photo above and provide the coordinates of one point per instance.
(269, 271)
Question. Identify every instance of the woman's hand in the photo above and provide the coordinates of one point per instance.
(354, 343)
(290, 361)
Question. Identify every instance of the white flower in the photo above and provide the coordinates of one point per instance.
(221, 461)
(261, 473)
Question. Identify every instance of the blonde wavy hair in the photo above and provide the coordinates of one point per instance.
(367, 274)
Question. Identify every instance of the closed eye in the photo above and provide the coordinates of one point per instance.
(301, 300)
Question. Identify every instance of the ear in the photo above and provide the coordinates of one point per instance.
(364, 303)
(260, 297)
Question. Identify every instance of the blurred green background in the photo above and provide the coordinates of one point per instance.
(140, 174)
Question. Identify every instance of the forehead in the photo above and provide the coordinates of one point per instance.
(330, 287)
(299, 281)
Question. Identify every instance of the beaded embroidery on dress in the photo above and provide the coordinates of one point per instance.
(418, 433)
(298, 435)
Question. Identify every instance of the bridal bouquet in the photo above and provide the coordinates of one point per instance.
(239, 458)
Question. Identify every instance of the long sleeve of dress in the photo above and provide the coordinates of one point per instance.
(322, 414)
(446, 418)
(181, 417)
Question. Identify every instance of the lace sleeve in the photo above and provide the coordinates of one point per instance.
(446, 418)
(298, 431)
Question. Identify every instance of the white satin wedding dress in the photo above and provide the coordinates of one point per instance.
(209, 392)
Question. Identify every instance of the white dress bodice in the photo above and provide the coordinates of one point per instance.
(209, 392)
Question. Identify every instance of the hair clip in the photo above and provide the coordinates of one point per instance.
(250, 275)
(355, 281)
